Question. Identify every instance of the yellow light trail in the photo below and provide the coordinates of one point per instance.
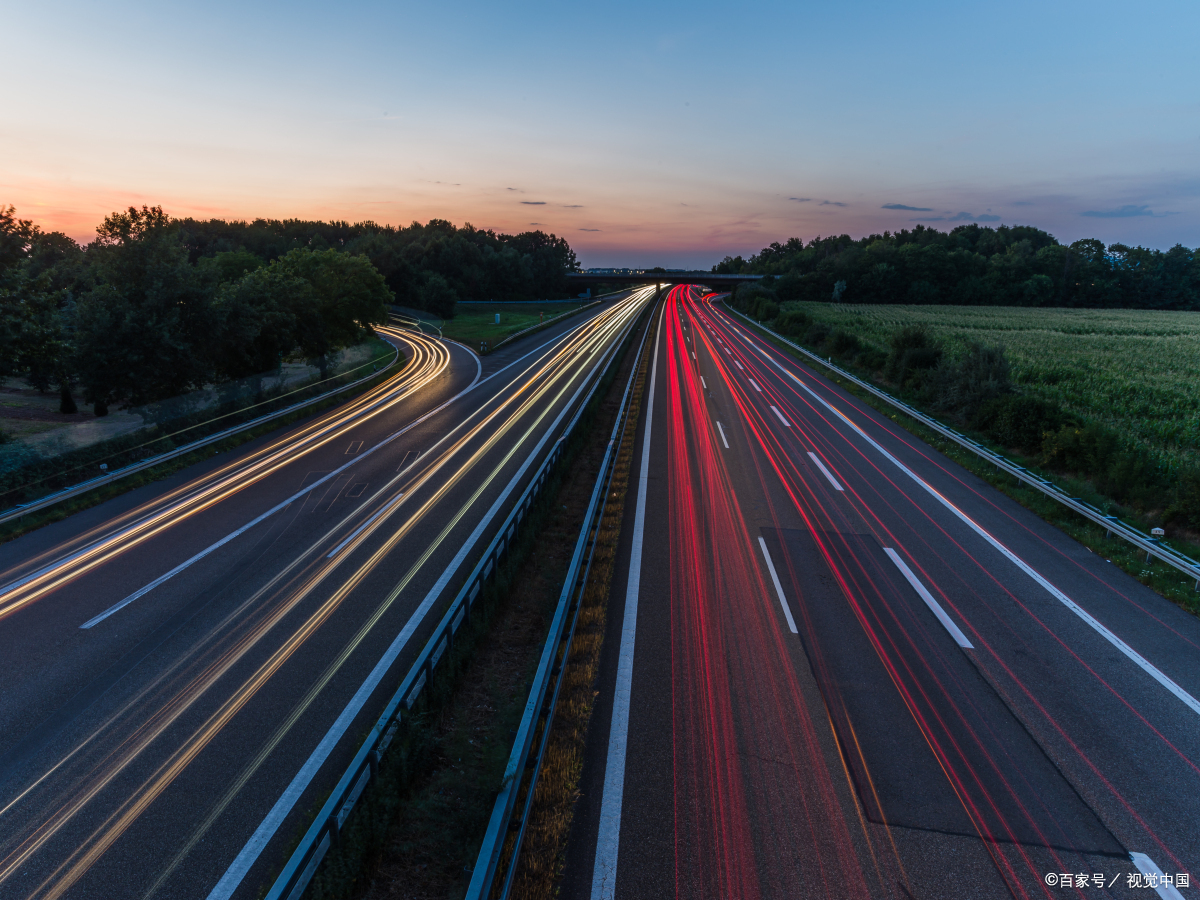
(593, 335)
(430, 358)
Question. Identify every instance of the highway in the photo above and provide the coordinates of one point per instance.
(839, 665)
(187, 667)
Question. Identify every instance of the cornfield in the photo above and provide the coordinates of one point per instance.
(1137, 371)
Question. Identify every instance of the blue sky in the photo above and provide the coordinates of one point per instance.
(645, 133)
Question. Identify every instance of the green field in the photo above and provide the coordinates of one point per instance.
(475, 322)
(1137, 371)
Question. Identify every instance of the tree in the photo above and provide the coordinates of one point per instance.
(260, 318)
(350, 297)
(142, 331)
(438, 297)
(15, 237)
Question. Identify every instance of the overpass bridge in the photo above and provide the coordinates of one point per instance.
(659, 277)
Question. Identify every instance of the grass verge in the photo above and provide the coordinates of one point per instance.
(475, 322)
(1157, 576)
(417, 829)
(543, 852)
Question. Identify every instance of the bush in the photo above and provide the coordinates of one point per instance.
(1017, 420)
(962, 387)
(763, 308)
(843, 343)
(1100, 454)
(872, 359)
(1184, 511)
(749, 298)
(817, 333)
(913, 354)
(792, 322)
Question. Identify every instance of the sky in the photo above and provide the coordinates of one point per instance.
(648, 133)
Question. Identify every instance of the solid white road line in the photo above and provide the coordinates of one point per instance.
(955, 631)
(787, 610)
(1147, 866)
(283, 806)
(754, 385)
(604, 873)
(1140, 661)
(828, 474)
(775, 409)
(722, 430)
(702, 383)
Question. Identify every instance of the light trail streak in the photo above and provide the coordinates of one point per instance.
(943, 760)
(533, 396)
(725, 645)
(851, 592)
(429, 360)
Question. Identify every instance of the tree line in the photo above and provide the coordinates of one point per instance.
(157, 306)
(974, 265)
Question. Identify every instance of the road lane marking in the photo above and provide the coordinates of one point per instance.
(1140, 661)
(828, 474)
(955, 631)
(354, 447)
(121, 604)
(775, 409)
(703, 384)
(754, 385)
(787, 610)
(1147, 866)
(604, 872)
(722, 430)
(693, 354)
(739, 365)
(250, 852)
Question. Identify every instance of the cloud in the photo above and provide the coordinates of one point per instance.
(537, 223)
(589, 229)
(572, 206)
(801, 199)
(909, 208)
(1022, 203)
(533, 202)
(1123, 212)
(518, 190)
(831, 203)
(987, 218)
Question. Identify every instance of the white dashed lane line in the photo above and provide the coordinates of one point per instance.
(828, 474)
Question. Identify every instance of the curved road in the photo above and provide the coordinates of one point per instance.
(182, 663)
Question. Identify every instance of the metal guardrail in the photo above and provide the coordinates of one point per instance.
(540, 708)
(327, 826)
(83, 487)
(1153, 546)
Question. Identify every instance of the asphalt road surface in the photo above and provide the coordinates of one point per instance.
(838, 665)
(187, 667)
